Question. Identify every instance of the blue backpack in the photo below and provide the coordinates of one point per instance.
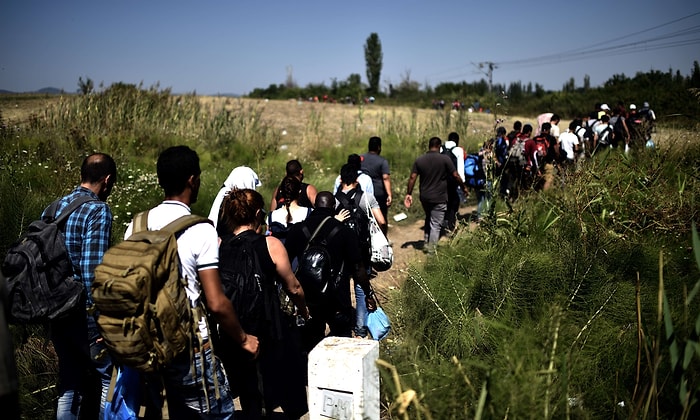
(474, 174)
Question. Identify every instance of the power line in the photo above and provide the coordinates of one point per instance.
(602, 49)
(604, 43)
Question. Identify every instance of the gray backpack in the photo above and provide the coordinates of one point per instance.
(39, 271)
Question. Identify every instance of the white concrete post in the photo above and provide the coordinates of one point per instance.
(344, 379)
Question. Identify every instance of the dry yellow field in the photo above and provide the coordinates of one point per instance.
(290, 116)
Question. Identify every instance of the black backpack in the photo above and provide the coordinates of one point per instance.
(358, 221)
(253, 296)
(589, 134)
(605, 136)
(618, 129)
(39, 272)
(448, 152)
(315, 268)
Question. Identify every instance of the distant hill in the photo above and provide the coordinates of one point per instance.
(50, 90)
(46, 91)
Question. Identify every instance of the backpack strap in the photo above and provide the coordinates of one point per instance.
(140, 223)
(318, 229)
(69, 209)
(184, 222)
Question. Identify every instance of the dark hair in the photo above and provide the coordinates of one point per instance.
(241, 207)
(96, 167)
(605, 118)
(517, 126)
(375, 144)
(355, 160)
(348, 173)
(527, 129)
(175, 166)
(501, 131)
(324, 200)
(555, 117)
(290, 190)
(434, 142)
(546, 126)
(293, 167)
(453, 136)
(575, 124)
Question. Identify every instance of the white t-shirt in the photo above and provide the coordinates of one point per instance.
(599, 128)
(364, 180)
(298, 215)
(554, 131)
(567, 142)
(197, 247)
(458, 151)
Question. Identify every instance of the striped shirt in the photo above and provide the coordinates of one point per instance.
(88, 233)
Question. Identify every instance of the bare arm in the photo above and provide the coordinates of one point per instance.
(223, 310)
(273, 200)
(408, 200)
(386, 178)
(360, 276)
(461, 183)
(291, 285)
(377, 213)
(311, 192)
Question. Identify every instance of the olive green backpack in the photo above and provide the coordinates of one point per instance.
(143, 311)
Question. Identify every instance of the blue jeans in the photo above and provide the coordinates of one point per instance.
(360, 312)
(187, 398)
(80, 357)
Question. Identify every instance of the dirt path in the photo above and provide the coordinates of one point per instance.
(406, 237)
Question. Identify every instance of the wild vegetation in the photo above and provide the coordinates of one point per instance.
(580, 303)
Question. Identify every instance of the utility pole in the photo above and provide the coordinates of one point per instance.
(490, 65)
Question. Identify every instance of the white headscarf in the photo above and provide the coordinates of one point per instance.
(240, 177)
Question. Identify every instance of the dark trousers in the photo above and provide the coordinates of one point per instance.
(452, 209)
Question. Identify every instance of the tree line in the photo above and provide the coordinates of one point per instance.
(670, 94)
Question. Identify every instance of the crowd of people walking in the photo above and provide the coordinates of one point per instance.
(306, 253)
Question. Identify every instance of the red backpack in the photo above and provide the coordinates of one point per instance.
(541, 147)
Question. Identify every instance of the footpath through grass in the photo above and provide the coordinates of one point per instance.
(580, 303)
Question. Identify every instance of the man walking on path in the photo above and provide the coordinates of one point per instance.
(76, 337)
(193, 393)
(434, 169)
(378, 169)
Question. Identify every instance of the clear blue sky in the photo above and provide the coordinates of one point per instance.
(235, 46)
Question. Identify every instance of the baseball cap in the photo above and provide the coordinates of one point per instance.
(605, 107)
(633, 106)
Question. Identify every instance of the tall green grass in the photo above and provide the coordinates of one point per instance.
(575, 305)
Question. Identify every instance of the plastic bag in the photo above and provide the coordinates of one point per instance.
(378, 324)
(382, 254)
(123, 403)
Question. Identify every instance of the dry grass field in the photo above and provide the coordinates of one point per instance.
(291, 117)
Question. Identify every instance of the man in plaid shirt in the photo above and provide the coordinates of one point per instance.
(76, 337)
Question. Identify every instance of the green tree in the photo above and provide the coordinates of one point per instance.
(373, 59)
(85, 86)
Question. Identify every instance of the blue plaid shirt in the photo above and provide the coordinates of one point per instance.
(88, 232)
